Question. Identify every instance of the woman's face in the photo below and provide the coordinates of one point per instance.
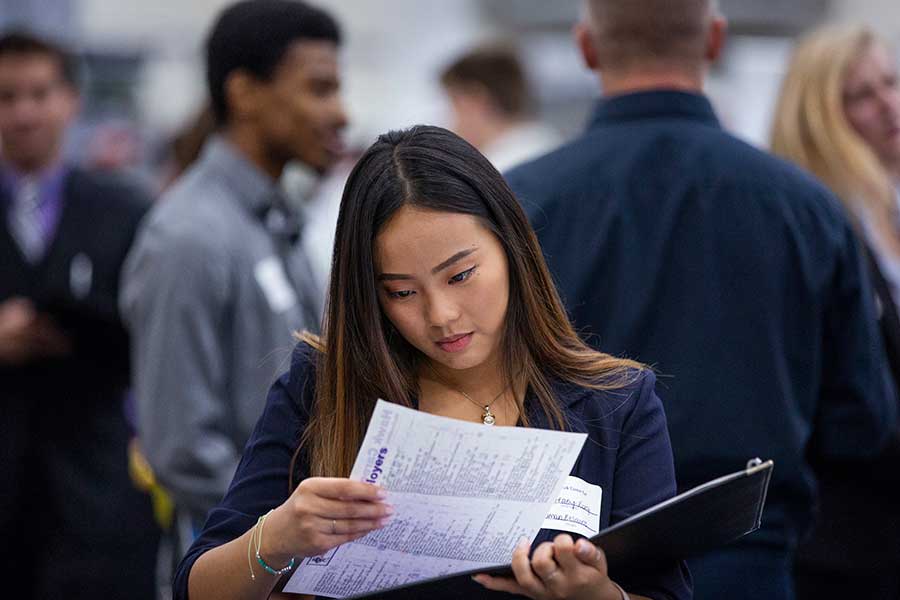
(872, 103)
(443, 281)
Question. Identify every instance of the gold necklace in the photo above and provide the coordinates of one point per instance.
(487, 417)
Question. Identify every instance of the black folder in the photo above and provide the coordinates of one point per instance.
(691, 523)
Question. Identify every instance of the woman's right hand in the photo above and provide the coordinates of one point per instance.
(322, 513)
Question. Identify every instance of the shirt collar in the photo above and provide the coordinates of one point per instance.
(254, 188)
(654, 104)
(49, 180)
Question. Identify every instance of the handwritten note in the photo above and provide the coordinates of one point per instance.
(463, 493)
(577, 509)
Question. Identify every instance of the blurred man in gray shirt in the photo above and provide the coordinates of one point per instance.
(217, 283)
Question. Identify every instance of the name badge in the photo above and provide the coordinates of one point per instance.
(273, 281)
(81, 276)
(577, 509)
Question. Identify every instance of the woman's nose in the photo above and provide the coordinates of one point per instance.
(441, 310)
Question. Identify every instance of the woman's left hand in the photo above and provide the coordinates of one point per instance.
(558, 569)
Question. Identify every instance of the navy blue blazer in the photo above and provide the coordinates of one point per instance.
(734, 274)
(627, 454)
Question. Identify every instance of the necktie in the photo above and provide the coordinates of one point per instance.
(286, 226)
(26, 221)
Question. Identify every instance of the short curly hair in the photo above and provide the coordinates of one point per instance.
(253, 35)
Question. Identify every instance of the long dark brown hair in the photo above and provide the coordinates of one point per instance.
(361, 357)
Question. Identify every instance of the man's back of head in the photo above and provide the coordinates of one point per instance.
(633, 44)
(489, 94)
(495, 71)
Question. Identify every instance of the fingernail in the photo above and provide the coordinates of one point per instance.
(388, 509)
(583, 549)
(523, 543)
(381, 494)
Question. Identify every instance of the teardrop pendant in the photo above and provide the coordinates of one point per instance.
(487, 418)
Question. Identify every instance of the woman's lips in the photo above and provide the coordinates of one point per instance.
(455, 343)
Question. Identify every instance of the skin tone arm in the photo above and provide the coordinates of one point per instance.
(321, 514)
(558, 569)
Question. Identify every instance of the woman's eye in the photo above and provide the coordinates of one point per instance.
(401, 294)
(460, 277)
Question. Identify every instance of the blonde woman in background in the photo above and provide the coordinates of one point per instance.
(838, 116)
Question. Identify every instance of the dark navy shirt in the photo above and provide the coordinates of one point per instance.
(734, 274)
(627, 454)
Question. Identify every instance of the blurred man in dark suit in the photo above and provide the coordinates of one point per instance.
(74, 525)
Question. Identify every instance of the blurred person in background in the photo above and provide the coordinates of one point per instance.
(314, 196)
(186, 144)
(74, 524)
(838, 116)
(493, 106)
(217, 282)
(732, 272)
(114, 146)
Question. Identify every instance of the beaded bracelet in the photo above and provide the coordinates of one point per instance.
(272, 571)
(256, 536)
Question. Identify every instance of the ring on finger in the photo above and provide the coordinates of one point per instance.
(550, 575)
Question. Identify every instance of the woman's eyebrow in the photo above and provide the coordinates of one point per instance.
(453, 259)
(456, 257)
(393, 276)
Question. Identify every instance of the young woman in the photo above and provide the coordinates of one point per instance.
(838, 116)
(439, 300)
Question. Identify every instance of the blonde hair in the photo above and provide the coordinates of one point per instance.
(810, 126)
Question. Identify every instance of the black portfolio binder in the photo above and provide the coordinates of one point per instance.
(691, 523)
